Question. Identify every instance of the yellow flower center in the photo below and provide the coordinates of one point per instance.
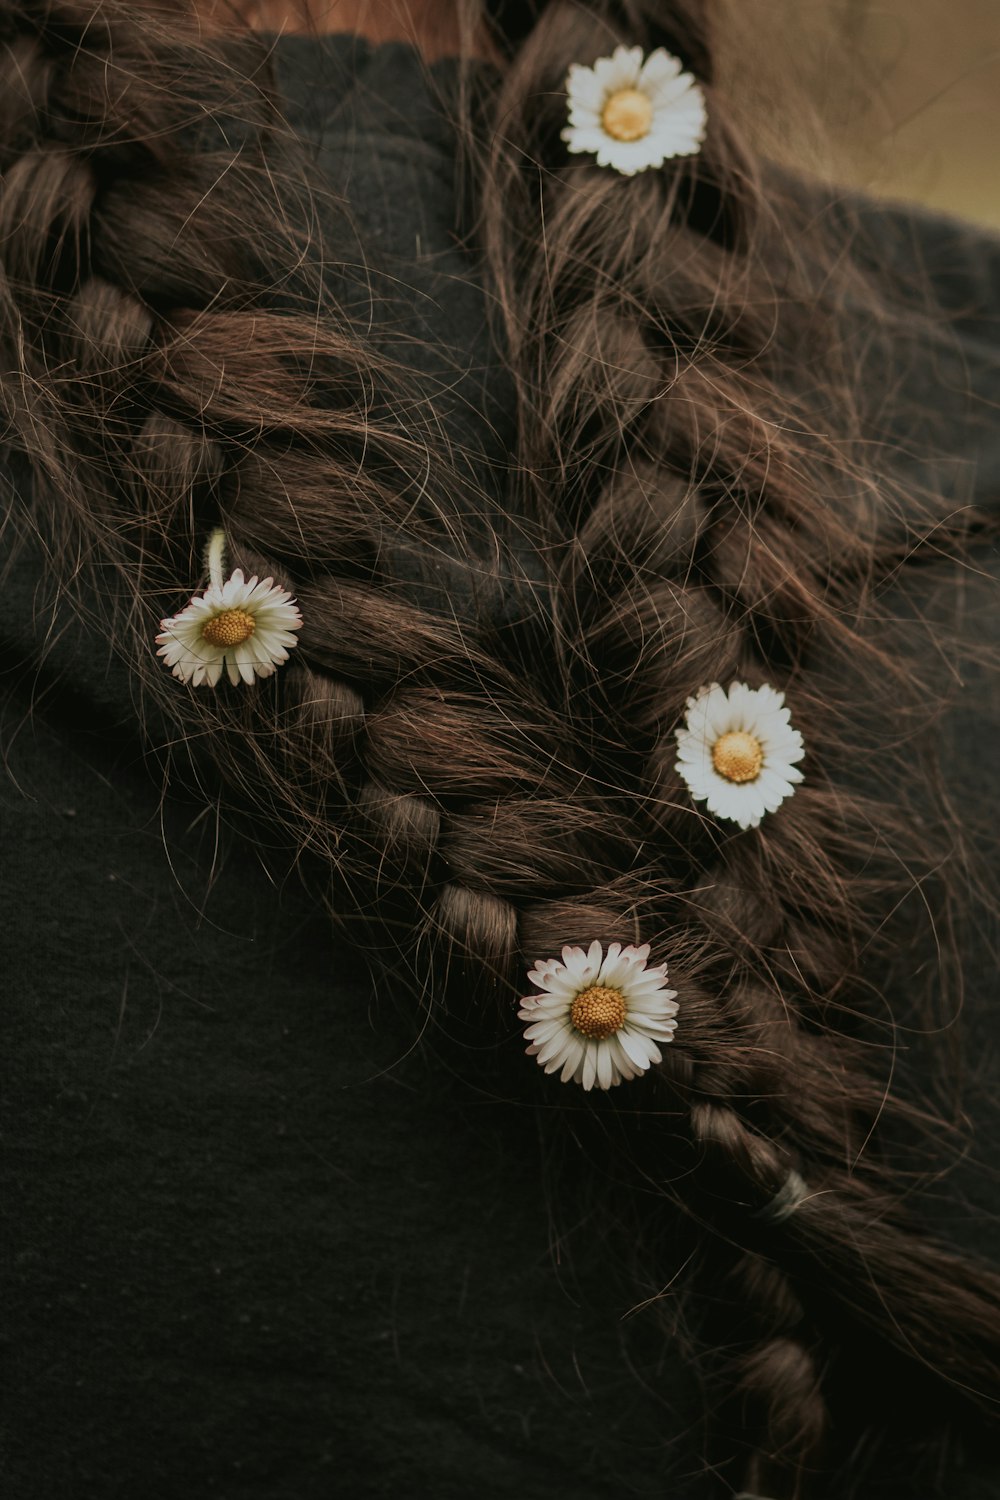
(598, 1012)
(627, 114)
(229, 628)
(738, 756)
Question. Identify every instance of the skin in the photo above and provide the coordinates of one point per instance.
(429, 25)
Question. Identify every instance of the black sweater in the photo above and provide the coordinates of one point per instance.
(266, 1240)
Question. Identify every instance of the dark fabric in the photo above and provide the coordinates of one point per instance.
(267, 1242)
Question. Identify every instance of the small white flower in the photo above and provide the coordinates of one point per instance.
(737, 751)
(599, 1019)
(633, 114)
(244, 627)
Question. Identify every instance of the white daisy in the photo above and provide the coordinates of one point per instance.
(245, 627)
(737, 751)
(600, 1018)
(633, 114)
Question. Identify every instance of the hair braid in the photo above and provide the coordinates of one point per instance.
(470, 789)
(664, 394)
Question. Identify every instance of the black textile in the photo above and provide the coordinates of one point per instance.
(266, 1242)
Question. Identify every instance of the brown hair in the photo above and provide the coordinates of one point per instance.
(695, 497)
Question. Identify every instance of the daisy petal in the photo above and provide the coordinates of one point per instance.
(754, 771)
(659, 110)
(607, 1019)
(243, 628)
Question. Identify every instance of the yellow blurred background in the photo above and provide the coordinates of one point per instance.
(900, 96)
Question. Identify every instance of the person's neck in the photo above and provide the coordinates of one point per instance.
(432, 26)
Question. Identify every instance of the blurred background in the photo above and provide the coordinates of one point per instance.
(899, 96)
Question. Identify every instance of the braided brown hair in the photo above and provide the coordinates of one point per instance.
(474, 771)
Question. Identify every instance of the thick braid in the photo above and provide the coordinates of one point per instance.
(465, 796)
(666, 402)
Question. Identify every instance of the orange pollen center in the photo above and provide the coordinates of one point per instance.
(229, 628)
(627, 115)
(738, 756)
(598, 1012)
